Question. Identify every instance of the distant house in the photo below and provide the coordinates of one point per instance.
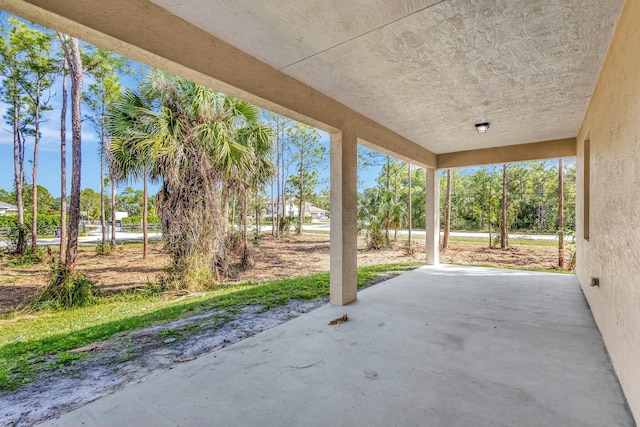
(8, 209)
(121, 214)
(314, 212)
(291, 209)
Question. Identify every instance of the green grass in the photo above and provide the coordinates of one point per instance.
(32, 344)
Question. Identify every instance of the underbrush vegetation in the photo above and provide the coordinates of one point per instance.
(29, 257)
(67, 289)
(103, 249)
(32, 344)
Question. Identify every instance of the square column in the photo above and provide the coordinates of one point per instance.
(433, 217)
(344, 227)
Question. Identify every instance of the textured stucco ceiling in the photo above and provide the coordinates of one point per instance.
(430, 69)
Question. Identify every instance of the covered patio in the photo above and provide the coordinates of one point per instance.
(439, 346)
(552, 79)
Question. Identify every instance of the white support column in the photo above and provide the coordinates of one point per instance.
(433, 217)
(344, 228)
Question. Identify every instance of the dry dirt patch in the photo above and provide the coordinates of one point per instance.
(124, 269)
(290, 256)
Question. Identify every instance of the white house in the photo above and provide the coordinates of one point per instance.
(8, 209)
(291, 209)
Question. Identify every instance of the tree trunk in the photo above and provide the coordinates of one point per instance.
(75, 63)
(447, 213)
(145, 213)
(18, 167)
(234, 202)
(103, 211)
(34, 172)
(243, 214)
(409, 208)
(247, 261)
(387, 220)
(63, 166)
(504, 237)
(490, 203)
(301, 204)
(560, 215)
(273, 218)
(284, 180)
(395, 203)
(277, 235)
(113, 211)
(224, 206)
(258, 213)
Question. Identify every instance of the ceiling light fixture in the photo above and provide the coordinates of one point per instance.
(482, 127)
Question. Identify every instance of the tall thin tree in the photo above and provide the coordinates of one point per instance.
(387, 221)
(280, 125)
(504, 236)
(104, 67)
(12, 67)
(560, 215)
(447, 213)
(39, 71)
(63, 151)
(72, 52)
(409, 207)
(308, 154)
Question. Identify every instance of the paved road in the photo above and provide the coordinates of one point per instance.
(95, 238)
(325, 227)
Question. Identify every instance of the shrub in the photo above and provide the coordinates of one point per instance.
(29, 257)
(285, 225)
(137, 219)
(46, 223)
(375, 238)
(67, 289)
(103, 249)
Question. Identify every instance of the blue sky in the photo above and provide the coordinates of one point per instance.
(49, 154)
(49, 151)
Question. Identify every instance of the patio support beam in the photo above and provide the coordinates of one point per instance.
(553, 149)
(433, 217)
(344, 229)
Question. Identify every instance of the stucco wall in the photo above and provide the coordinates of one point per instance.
(612, 253)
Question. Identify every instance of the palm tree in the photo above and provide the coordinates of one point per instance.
(195, 141)
(374, 213)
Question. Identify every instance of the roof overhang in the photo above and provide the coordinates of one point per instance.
(409, 78)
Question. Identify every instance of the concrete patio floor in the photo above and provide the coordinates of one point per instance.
(439, 346)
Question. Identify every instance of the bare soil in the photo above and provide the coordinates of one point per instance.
(122, 270)
(290, 256)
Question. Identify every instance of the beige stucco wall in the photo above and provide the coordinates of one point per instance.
(612, 253)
